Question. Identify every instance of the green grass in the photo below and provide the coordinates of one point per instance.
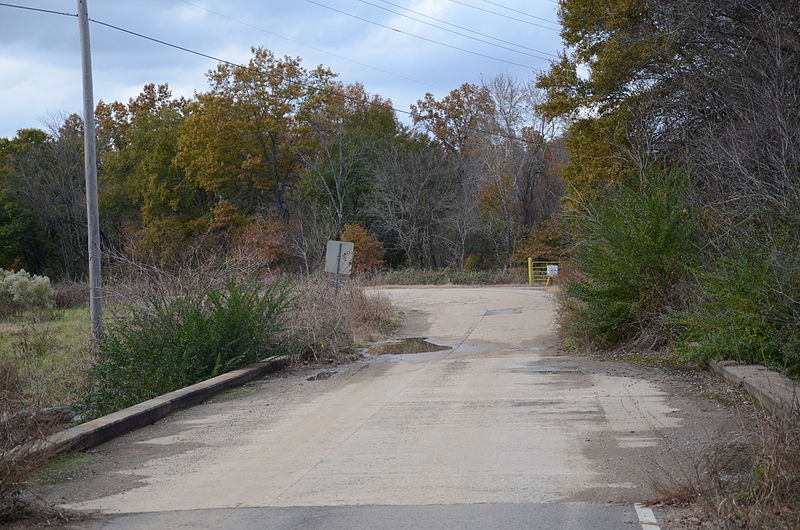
(61, 469)
(49, 351)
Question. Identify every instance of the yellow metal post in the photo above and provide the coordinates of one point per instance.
(530, 271)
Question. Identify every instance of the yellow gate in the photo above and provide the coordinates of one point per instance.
(542, 272)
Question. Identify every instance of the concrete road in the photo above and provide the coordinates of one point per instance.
(501, 431)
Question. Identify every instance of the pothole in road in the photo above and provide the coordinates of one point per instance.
(408, 345)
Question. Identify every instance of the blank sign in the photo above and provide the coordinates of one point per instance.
(333, 251)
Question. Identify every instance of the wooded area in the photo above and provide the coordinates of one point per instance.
(273, 160)
(684, 174)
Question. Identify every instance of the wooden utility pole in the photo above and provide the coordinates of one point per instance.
(90, 157)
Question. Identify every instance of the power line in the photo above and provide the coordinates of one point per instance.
(504, 15)
(419, 36)
(321, 50)
(520, 12)
(453, 31)
(238, 65)
(261, 72)
(305, 85)
(50, 11)
(468, 29)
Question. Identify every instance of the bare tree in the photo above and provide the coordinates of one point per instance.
(415, 203)
(50, 181)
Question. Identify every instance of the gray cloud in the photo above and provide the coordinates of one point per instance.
(40, 67)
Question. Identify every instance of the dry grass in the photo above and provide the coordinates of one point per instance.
(321, 329)
(49, 352)
(21, 434)
(749, 481)
(768, 495)
(508, 276)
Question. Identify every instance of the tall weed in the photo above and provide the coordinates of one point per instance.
(319, 328)
(747, 309)
(167, 344)
(633, 247)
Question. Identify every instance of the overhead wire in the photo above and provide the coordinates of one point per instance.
(419, 36)
(504, 15)
(238, 65)
(453, 31)
(38, 9)
(467, 29)
(321, 50)
(520, 12)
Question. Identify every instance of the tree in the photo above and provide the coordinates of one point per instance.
(368, 252)
(345, 134)
(23, 241)
(239, 141)
(415, 198)
(49, 180)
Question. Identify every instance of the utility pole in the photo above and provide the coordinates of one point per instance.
(90, 157)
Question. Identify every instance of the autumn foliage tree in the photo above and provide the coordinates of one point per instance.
(239, 140)
(368, 252)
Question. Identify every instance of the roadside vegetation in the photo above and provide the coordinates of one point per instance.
(683, 208)
(685, 226)
(658, 158)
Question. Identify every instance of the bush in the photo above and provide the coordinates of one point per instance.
(633, 245)
(166, 345)
(747, 310)
(368, 252)
(70, 295)
(21, 291)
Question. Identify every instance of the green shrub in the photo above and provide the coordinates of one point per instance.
(167, 345)
(747, 310)
(20, 291)
(633, 245)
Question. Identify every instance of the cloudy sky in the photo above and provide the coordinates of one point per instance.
(40, 61)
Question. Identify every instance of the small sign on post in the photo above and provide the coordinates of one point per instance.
(338, 260)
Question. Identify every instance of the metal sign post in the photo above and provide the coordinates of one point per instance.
(338, 260)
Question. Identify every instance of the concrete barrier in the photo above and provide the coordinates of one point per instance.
(105, 428)
(772, 390)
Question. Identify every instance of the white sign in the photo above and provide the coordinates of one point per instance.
(552, 270)
(339, 257)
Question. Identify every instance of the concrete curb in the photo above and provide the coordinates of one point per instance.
(772, 390)
(105, 428)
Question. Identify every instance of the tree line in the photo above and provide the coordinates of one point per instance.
(273, 160)
(684, 174)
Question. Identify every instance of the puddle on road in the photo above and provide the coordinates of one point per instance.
(511, 311)
(320, 376)
(402, 346)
